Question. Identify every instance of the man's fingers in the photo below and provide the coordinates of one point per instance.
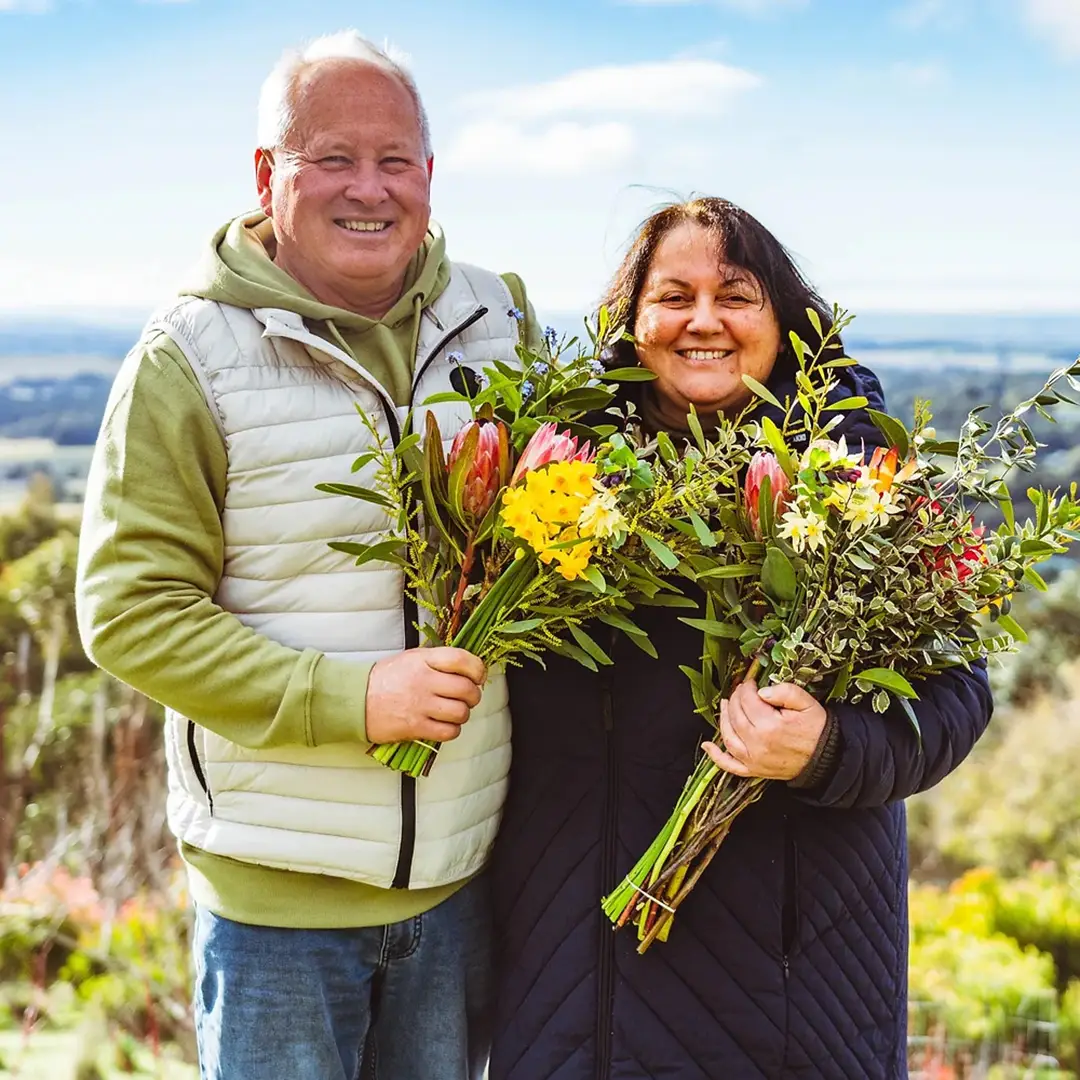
(447, 710)
(750, 702)
(725, 761)
(436, 731)
(733, 742)
(457, 687)
(456, 662)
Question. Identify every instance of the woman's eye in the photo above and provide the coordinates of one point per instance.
(673, 298)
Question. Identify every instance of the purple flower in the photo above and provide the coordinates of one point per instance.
(540, 368)
(455, 357)
(516, 313)
(526, 389)
(551, 337)
(596, 368)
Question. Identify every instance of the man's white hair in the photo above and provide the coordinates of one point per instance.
(276, 101)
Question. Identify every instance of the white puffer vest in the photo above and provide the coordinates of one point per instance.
(285, 401)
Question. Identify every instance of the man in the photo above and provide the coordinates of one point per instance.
(339, 915)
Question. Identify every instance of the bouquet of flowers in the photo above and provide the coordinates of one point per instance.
(849, 574)
(533, 523)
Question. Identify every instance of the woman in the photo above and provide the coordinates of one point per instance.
(789, 960)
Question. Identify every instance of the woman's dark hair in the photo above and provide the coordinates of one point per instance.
(741, 241)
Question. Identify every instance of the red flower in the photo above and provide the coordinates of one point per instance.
(479, 462)
(764, 464)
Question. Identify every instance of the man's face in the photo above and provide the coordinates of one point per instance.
(349, 192)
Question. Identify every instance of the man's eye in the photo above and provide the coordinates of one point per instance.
(335, 161)
(395, 162)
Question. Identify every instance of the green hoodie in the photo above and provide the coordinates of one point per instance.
(152, 551)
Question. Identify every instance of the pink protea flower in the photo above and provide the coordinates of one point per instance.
(764, 464)
(479, 462)
(548, 445)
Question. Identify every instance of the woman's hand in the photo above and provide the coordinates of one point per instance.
(770, 733)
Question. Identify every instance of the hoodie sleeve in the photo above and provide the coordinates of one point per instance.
(151, 554)
(879, 757)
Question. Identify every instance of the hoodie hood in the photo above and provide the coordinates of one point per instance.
(239, 269)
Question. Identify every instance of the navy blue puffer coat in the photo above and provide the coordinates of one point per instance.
(789, 960)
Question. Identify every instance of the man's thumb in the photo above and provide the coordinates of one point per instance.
(786, 696)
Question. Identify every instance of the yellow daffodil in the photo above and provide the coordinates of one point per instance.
(601, 516)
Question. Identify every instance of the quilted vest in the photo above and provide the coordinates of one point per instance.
(286, 401)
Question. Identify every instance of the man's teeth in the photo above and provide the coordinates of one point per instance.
(364, 226)
(706, 354)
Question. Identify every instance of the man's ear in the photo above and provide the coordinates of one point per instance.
(430, 166)
(264, 175)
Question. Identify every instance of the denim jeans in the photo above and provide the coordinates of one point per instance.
(409, 1001)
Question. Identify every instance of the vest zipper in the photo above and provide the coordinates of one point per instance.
(196, 764)
(789, 925)
(605, 988)
(445, 340)
(411, 615)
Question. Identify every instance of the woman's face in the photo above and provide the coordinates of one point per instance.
(701, 325)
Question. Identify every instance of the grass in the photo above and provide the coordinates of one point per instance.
(56, 1055)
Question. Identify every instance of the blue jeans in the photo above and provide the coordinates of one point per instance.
(409, 1001)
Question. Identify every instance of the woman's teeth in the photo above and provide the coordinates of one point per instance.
(705, 354)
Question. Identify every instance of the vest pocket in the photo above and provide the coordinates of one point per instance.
(196, 766)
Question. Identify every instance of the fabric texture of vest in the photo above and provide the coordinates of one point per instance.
(286, 403)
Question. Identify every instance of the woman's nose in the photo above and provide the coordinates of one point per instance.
(705, 318)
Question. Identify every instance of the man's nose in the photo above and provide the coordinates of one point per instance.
(366, 184)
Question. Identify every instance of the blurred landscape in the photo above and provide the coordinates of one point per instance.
(94, 973)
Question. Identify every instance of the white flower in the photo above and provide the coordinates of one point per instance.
(803, 530)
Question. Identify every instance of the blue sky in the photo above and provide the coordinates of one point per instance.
(914, 154)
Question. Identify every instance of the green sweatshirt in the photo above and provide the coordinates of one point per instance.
(152, 552)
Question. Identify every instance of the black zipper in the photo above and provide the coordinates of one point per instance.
(196, 764)
(410, 613)
(605, 988)
(475, 317)
(789, 916)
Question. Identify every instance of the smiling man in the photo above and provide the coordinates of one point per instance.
(341, 913)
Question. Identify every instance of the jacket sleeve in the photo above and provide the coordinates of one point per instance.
(151, 554)
(879, 756)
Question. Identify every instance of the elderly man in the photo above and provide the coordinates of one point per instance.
(340, 917)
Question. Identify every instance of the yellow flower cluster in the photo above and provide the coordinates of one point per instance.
(561, 505)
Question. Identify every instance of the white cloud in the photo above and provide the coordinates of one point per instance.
(566, 148)
(578, 123)
(746, 7)
(31, 7)
(664, 87)
(1058, 21)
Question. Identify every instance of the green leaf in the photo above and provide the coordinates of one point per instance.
(847, 404)
(775, 439)
(589, 645)
(595, 578)
(564, 648)
(704, 534)
(1004, 501)
(893, 430)
(695, 427)
(732, 570)
(671, 600)
(522, 626)
(445, 396)
(715, 628)
(843, 680)
(761, 391)
(889, 680)
(628, 374)
(912, 719)
(815, 321)
(664, 555)
(666, 448)
(364, 460)
(1012, 628)
(354, 492)
(1034, 579)
(384, 551)
(778, 576)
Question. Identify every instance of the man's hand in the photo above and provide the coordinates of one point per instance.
(422, 694)
(771, 733)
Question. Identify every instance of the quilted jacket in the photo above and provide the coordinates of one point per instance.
(789, 960)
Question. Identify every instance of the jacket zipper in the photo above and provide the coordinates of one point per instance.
(608, 844)
(196, 764)
(789, 924)
(403, 871)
